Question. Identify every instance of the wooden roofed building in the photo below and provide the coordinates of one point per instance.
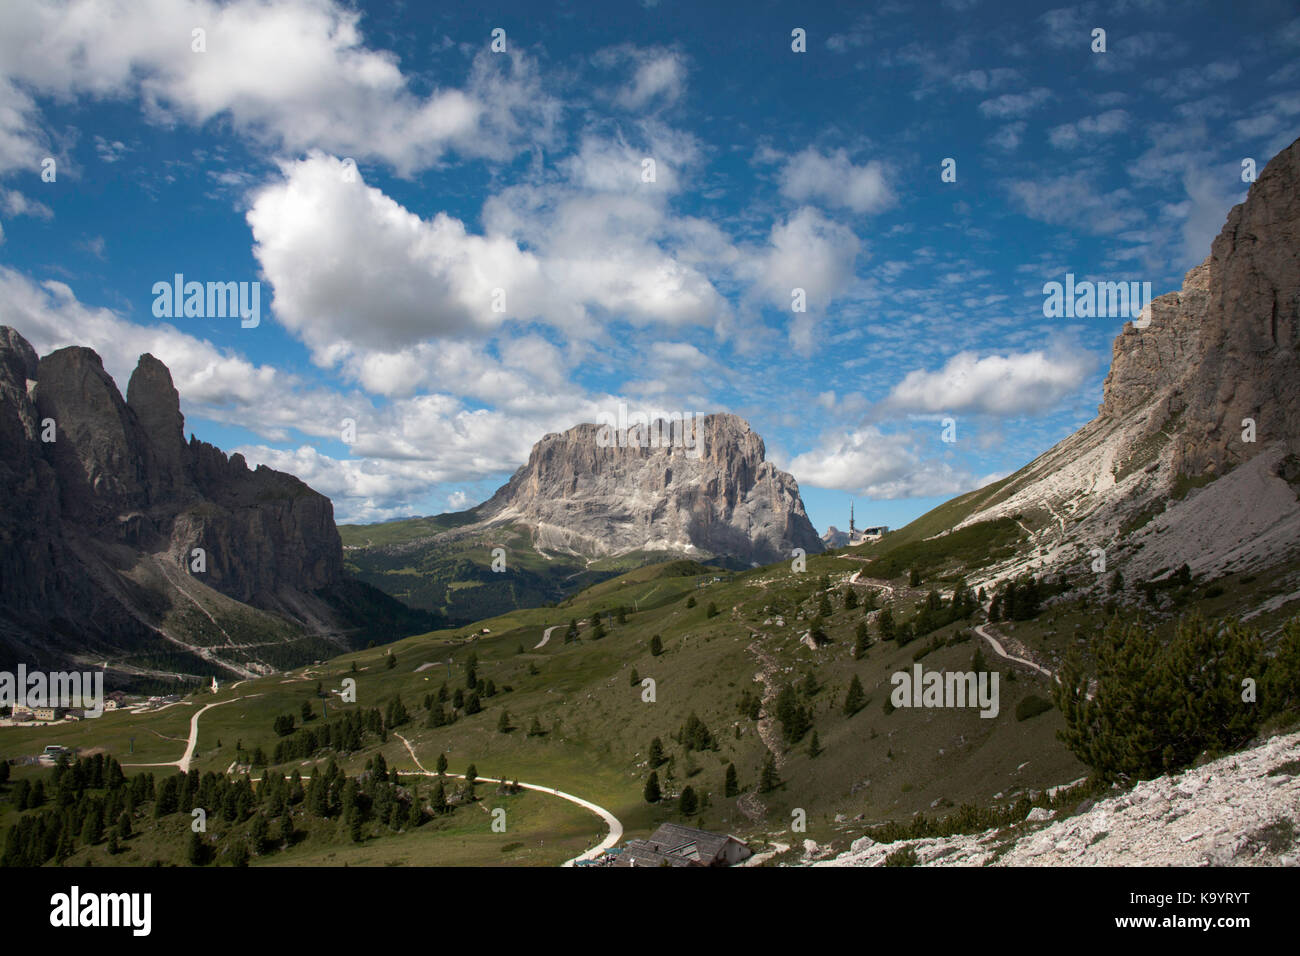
(676, 845)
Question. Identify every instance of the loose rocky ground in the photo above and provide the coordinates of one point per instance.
(1240, 810)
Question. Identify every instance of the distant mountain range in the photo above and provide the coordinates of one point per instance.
(122, 542)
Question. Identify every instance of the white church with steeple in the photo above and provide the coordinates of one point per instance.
(864, 535)
(836, 538)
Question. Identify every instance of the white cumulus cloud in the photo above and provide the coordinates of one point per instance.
(833, 179)
(876, 464)
(296, 74)
(1017, 384)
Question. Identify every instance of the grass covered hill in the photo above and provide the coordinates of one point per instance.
(753, 699)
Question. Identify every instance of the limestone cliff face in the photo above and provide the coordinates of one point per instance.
(708, 492)
(96, 439)
(29, 502)
(1227, 345)
(1164, 474)
(1149, 365)
(98, 526)
(157, 406)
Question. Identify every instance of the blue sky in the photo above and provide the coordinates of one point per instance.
(381, 171)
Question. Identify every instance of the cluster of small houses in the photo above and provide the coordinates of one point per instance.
(675, 845)
(116, 700)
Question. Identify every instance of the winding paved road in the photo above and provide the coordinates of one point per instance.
(546, 636)
(1002, 652)
(184, 763)
(615, 827)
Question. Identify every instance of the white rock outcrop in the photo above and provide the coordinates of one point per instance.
(1239, 810)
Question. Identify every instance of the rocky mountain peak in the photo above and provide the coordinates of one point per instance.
(100, 523)
(1192, 457)
(1226, 346)
(698, 486)
(18, 365)
(17, 354)
(154, 399)
(94, 450)
(157, 406)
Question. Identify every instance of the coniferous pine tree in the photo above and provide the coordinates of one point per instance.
(817, 631)
(93, 827)
(768, 780)
(731, 786)
(861, 641)
(258, 833)
(1159, 704)
(854, 699)
(885, 623)
(687, 803)
(652, 793)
